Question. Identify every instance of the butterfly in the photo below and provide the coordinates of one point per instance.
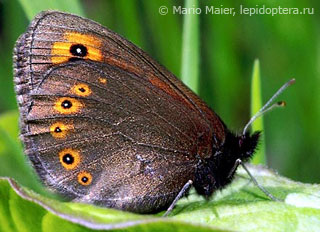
(105, 124)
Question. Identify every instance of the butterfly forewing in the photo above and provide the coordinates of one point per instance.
(52, 35)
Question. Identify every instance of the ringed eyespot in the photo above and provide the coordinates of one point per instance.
(60, 130)
(67, 105)
(82, 90)
(69, 158)
(84, 178)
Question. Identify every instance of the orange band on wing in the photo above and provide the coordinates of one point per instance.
(61, 50)
(157, 82)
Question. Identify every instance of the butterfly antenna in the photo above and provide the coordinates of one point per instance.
(266, 106)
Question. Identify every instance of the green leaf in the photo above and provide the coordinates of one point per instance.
(256, 105)
(190, 48)
(6, 222)
(19, 208)
(33, 7)
(239, 207)
(13, 162)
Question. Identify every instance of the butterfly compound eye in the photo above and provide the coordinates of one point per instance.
(241, 141)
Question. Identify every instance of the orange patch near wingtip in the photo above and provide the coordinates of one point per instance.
(73, 105)
(84, 178)
(60, 130)
(61, 50)
(82, 90)
(102, 80)
(69, 158)
(157, 82)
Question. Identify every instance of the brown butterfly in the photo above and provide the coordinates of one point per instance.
(104, 123)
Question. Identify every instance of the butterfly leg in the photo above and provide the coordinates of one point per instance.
(184, 189)
(239, 162)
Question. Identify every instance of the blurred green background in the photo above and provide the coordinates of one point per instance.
(287, 46)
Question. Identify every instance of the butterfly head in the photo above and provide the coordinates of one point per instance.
(235, 147)
(247, 144)
(218, 171)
